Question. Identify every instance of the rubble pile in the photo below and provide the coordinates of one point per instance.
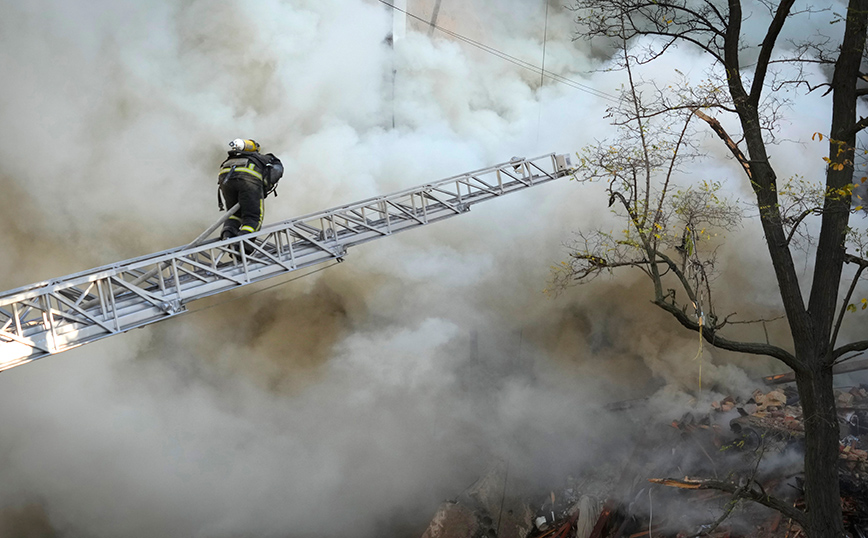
(758, 440)
(483, 511)
(853, 408)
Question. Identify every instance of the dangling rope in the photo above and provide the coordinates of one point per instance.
(688, 250)
(699, 353)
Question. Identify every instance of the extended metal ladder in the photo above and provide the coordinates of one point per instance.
(59, 314)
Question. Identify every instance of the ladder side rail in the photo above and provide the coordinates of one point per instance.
(143, 261)
(116, 298)
(331, 219)
(457, 209)
(403, 212)
(398, 194)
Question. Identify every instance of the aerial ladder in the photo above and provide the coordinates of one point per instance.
(56, 315)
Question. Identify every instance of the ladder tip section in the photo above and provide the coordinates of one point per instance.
(564, 163)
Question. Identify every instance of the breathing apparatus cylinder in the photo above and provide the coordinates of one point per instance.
(241, 144)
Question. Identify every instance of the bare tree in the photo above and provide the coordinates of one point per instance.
(670, 231)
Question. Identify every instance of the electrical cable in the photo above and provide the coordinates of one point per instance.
(542, 69)
(545, 38)
(512, 59)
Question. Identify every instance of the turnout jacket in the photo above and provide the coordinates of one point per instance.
(252, 165)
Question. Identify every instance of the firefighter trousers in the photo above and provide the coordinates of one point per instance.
(251, 195)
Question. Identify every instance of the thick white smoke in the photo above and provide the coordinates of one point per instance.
(353, 400)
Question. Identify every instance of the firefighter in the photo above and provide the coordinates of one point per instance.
(246, 177)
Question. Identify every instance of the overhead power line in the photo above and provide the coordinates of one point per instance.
(512, 59)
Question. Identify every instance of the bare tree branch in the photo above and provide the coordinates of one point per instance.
(863, 264)
(710, 335)
(862, 123)
(798, 221)
(758, 496)
(861, 345)
(721, 132)
(748, 321)
(845, 359)
(766, 50)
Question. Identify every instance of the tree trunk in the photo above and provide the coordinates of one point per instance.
(814, 378)
(842, 141)
(822, 486)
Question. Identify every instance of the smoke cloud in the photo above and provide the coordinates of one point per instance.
(359, 397)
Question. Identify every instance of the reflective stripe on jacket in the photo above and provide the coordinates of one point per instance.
(244, 162)
(249, 169)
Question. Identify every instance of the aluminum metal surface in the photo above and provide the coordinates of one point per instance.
(52, 316)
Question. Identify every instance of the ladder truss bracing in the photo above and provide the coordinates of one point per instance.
(56, 315)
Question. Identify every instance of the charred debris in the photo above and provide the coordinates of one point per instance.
(694, 477)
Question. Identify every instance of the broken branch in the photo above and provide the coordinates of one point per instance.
(738, 492)
(721, 132)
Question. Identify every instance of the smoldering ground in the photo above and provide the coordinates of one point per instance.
(355, 399)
